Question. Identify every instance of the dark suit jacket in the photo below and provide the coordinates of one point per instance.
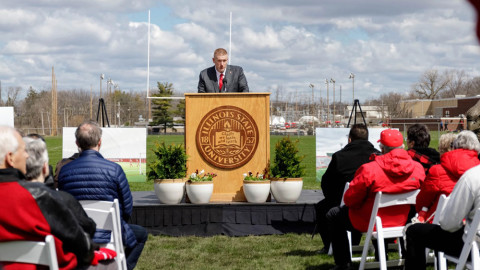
(236, 81)
(342, 168)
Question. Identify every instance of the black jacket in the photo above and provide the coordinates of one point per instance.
(342, 168)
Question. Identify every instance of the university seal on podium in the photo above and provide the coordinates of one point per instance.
(227, 137)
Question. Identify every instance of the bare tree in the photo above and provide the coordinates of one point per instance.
(12, 94)
(391, 104)
(457, 84)
(472, 87)
(430, 84)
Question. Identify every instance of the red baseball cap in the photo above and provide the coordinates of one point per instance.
(391, 138)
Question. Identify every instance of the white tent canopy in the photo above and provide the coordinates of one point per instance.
(308, 119)
(277, 120)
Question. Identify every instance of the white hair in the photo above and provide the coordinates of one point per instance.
(387, 149)
(466, 140)
(8, 142)
(37, 157)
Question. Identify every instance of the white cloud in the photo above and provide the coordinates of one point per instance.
(281, 44)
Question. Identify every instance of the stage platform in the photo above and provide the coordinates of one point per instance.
(228, 218)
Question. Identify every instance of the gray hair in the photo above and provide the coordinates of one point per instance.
(37, 157)
(88, 134)
(387, 149)
(8, 142)
(466, 140)
(445, 143)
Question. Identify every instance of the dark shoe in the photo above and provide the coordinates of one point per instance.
(324, 250)
(346, 266)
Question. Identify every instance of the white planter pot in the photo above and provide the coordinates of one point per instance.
(169, 191)
(256, 191)
(199, 192)
(286, 190)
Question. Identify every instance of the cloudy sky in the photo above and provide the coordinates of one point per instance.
(281, 44)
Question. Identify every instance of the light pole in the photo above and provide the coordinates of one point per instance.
(352, 76)
(321, 105)
(116, 109)
(109, 99)
(101, 78)
(328, 104)
(333, 81)
(313, 111)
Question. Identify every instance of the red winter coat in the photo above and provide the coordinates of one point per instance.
(442, 177)
(31, 211)
(394, 172)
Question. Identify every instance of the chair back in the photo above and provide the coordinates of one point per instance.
(106, 215)
(388, 199)
(347, 185)
(33, 252)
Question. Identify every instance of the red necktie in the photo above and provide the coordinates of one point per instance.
(220, 83)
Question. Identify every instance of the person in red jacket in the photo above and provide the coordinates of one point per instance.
(392, 172)
(442, 177)
(31, 211)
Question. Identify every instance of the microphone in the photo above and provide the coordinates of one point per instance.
(224, 85)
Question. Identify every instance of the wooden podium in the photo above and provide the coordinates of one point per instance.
(227, 134)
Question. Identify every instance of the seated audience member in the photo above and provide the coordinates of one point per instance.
(441, 178)
(392, 172)
(37, 171)
(418, 140)
(59, 166)
(31, 211)
(445, 143)
(91, 177)
(49, 181)
(340, 171)
(447, 237)
(37, 161)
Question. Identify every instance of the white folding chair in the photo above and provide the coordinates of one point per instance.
(384, 200)
(106, 215)
(349, 234)
(440, 263)
(33, 252)
(470, 247)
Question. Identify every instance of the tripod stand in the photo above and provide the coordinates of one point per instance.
(102, 110)
(356, 104)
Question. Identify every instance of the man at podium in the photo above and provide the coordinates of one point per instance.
(220, 77)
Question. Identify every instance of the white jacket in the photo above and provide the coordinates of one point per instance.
(463, 201)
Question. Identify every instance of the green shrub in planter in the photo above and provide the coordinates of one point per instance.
(287, 162)
(170, 162)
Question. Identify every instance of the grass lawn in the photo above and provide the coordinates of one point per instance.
(289, 251)
(306, 145)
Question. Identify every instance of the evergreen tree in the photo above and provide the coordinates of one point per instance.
(181, 111)
(161, 107)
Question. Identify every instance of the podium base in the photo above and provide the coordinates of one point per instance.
(228, 197)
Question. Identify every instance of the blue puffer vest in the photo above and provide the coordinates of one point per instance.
(91, 177)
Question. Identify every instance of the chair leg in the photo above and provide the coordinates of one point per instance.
(462, 260)
(441, 261)
(363, 261)
(381, 245)
(315, 230)
(475, 256)
(349, 234)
